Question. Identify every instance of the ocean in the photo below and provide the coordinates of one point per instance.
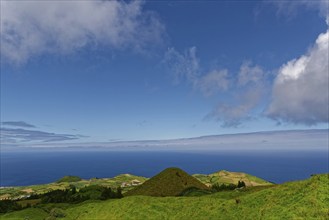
(29, 168)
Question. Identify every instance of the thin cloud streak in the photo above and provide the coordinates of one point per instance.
(307, 140)
(19, 135)
(21, 124)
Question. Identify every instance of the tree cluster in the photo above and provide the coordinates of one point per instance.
(93, 192)
(9, 206)
(241, 184)
(71, 195)
(226, 187)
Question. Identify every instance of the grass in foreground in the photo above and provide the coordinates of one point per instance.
(308, 199)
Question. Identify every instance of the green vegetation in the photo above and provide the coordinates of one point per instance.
(62, 196)
(226, 177)
(241, 184)
(87, 193)
(193, 191)
(307, 199)
(115, 182)
(170, 182)
(177, 195)
(68, 179)
(8, 206)
(126, 179)
(224, 187)
(28, 214)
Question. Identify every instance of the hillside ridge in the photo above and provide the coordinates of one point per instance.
(125, 181)
(228, 177)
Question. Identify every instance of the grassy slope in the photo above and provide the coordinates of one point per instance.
(308, 199)
(225, 177)
(67, 179)
(219, 177)
(30, 214)
(40, 189)
(169, 182)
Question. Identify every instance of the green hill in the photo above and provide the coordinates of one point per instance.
(307, 199)
(169, 182)
(226, 177)
(68, 179)
(126, 182)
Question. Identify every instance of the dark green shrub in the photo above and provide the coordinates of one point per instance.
(223, 187)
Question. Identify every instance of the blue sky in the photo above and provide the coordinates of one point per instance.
(106, 70)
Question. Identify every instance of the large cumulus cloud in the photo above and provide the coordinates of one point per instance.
(300, 91)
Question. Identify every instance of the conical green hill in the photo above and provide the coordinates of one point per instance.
(169, 182)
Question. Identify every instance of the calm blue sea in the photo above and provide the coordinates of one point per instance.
(27, 168)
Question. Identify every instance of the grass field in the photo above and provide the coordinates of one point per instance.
(218, 177)
(16, 192)
(226, 177)
(307, 199)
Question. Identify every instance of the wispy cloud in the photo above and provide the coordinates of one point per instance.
(184, 66)
(259, 141)
(244, 90)
(298, 94)
(234, 113)
(291, 8)
(249, 91)
(213, 82)
(251, 74)
(21, 124)
(33, 28)
(19, 135)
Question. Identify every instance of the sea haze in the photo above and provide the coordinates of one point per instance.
(28, 168)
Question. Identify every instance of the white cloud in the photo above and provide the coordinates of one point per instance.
(300, 91)
(241, 108)
(243, 91)
(261, 141)
(213, 82)
(290, 8)
(250, 74)
(20, 135)
(249, 90)
(32, 28)
(184, 66)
